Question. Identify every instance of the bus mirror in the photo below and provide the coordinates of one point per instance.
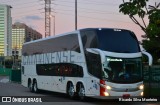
(150, 59)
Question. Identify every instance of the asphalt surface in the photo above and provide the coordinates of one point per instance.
(14, 89)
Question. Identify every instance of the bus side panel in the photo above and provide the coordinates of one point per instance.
(92, 86)
(29, 73)
(24, 80)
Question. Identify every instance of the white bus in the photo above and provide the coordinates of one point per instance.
(93, 62)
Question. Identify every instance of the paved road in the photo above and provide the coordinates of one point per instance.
(15, 89)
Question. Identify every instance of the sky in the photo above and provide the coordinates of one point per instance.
(91, 14)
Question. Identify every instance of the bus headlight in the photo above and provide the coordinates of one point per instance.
(108, 87)
(141, 87)
(141, 93)
(106, 94)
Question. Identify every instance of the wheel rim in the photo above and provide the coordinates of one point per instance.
(81, 92)
(35, 87)
(71, 91)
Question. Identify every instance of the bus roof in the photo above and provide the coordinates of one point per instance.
(50, 37)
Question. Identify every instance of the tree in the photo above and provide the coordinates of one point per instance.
(151, 41)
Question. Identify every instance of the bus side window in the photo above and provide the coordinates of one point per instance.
(94, 64)
(60, 69)
(89, 39)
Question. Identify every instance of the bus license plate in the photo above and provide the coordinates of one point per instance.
(126, 95)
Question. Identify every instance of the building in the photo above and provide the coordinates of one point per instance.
(5, 30)
(21, 33)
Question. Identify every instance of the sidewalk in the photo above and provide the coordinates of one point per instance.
(4, 79)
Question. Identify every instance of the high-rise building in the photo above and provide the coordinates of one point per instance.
(21, 33)
(5, 30)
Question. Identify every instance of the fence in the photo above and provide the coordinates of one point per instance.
(5, 71)
(14, 75)
(152, 81)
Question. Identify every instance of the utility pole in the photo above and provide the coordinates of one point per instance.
(75, 14)
(54, 22)
(47, 18)
(54, 29)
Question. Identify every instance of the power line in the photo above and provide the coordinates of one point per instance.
(20, 4)
(92, 2)
(109, 20)
(95, 11)
(4, 2)
(28, 13)
(86, 9)
(25, 10)
(94, 18)
(24, 7)
(26, 3)
(81, 10)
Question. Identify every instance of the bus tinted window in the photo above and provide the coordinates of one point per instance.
(117, 41)
(94, 64)
(60, 69)
(120, 41)
(62, 43)
(89, 39)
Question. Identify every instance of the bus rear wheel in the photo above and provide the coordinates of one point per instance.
(30, 87)
(35, 89)
(70, 90)
(81, 92)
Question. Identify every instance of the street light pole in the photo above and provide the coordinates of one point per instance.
(75, 14)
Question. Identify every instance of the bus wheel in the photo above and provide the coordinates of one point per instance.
(81, 92)
(30, 87)
(70, 90)
(35, 89)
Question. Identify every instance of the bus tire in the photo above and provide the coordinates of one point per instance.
(35, 88)
(70, 90)
(30, 86)
(81, 91)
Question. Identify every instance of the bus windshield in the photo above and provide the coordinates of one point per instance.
(120, 70)
(121, 41)
(112, 40)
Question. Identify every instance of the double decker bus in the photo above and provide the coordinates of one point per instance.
(92, 62)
